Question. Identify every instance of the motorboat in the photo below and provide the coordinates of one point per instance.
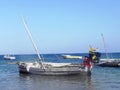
(9, 57)
(71, 57)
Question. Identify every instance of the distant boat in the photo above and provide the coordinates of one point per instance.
(41, 67)
(71, 57)
(9, 57)
(108, 62)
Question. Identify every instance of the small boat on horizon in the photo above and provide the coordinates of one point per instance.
(71, 57)
(9, 57)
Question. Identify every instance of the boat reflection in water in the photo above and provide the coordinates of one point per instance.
(57, 82)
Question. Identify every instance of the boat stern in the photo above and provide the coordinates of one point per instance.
(23, 67)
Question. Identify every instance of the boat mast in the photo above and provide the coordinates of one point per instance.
(33, 43)
(105, 46)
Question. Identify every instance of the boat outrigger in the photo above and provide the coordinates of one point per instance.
(49, 68)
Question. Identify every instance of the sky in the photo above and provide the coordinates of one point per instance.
(59, 26)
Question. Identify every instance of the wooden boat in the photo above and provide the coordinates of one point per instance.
(108, 62)
(53, 68)
(44, 68)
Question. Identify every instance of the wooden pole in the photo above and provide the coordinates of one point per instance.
(33, 43)
(105, 46)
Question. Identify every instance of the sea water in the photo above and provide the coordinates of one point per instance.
(102, 78)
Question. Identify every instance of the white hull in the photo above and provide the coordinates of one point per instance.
(71, 57)
(53, 68)
(9, 57)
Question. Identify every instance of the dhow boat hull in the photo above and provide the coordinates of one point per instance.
(68, 69)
